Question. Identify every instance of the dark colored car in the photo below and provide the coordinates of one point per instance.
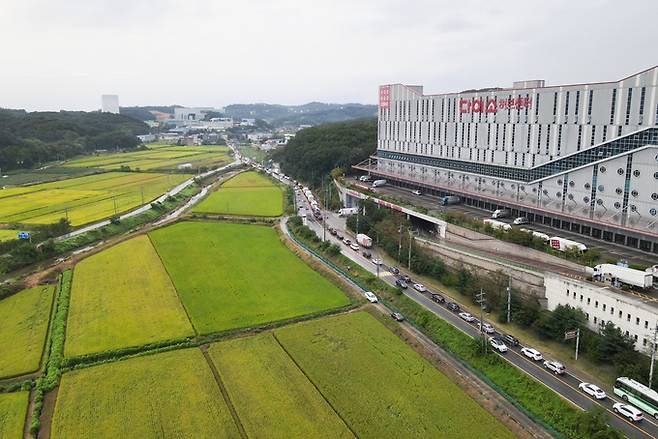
(397, 316)
(366, 254)
(401, 283)
(394, 270)
(452, 306)
(406, 278)
(438, 298)
(509, 338)
(333, 231)
(339, 236)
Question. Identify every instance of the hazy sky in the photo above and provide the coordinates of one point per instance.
(64, 54)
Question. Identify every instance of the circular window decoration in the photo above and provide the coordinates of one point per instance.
(534, 189)
(545, 191)
(601, 188)
(620, 171)
(599, 202)
(587, 185)
(572, 183)
(653, 211)
(618, 191)
(585, 199)
(655, 175)
(522, 187)
(654, 196)
(656, 157)
(633, 208)
(513, 186)
(558, 194)
(634, 193)
(559, 181)
(636, 173)
(602, 169)
(570, 196)
(617, 204)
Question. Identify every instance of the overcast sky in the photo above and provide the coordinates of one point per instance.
(63, 54)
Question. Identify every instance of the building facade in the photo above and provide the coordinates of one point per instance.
(581, 157)
(110, 104)
(635, 315)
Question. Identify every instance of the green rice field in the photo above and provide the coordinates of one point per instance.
(13, 410)
(167, 395)
(234, 276)
(123, 297)
(379, 385)
(263, 383)
(8, 234)
(24, 319)
(83, 199)
(246, 194)
(164, 157)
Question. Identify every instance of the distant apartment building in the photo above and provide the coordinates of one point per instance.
(110, 104)
(194, 114)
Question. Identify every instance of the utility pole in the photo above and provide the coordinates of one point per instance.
(577, 343)
(509, 297)
(653, 354)
(400, 243)
(410, 239)
(324, 220)
(481, 301)
(114, 200)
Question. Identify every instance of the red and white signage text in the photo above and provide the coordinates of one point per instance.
(492, 105)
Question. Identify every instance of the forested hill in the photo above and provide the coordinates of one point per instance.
(29, 139)
(313, 113)
(315, 151)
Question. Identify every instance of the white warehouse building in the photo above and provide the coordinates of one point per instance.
(635, 314)
(580, 157)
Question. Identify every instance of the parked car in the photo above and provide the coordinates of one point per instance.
(486, 327)
(333, 231)
(509, 338)
(377, 261)
(406, 278)
(397, 316)
(498, 344)
(592, 390)
(402, 284)
(466, 316)
(394, 270)
(520, 220)
(371, 297)
(416, 192)
(354, 246)
(420, 288)
(557, 367)
(438, 298)
(628, 411)
(366, 254)
(339, 235)
(452, 306)
(531, 353)
(347, 242)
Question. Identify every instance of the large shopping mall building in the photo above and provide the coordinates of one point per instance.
(582, 157)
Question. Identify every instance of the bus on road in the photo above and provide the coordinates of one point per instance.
(637, 394)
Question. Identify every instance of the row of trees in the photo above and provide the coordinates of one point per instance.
(30, 139)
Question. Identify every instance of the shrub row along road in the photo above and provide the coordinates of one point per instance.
(566, 385)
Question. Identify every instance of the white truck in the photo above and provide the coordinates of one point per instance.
(630, 276)
(497, 224)
(564, 244)
(364, 240)
(378, 183)
(500, 213)
(364, 178)
(348, 211)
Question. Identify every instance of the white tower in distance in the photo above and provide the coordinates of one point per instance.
(110, 104)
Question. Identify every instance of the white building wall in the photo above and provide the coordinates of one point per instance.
(603, 304)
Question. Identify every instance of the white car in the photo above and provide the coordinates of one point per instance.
(531, 353)
(420, 288)
(486, 327)
(371, 297)
(555, 366)
(498, 344)
(628, 411)
(592, 390)
(467, 316)
(416, 192)
(354, 247)
(520, 220)
(376, 261)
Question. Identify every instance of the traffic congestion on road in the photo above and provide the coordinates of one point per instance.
(548, 371)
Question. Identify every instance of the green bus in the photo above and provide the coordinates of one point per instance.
(637, 394)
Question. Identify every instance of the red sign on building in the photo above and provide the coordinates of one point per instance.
(492, 105)
(384, 96)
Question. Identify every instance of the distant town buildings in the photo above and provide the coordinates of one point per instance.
(196, 114)
(110, 104)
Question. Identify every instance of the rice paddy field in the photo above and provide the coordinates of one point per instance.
(263, 383)
(246, 194)
(167, 395)
(379, 385)
(13, 409)
(123, 297)
(160, 157)
(83, 199)
(8, 234)
(24, 319)
(232, 276)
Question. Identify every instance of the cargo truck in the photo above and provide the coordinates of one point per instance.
(563, 244)
(378, 183)
(364, 240)
(625, 275)
(348, 211)
(500, 213)
(450, 199)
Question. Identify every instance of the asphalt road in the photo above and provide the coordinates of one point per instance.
(566, 385)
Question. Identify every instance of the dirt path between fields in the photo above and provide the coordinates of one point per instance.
(47, 413)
